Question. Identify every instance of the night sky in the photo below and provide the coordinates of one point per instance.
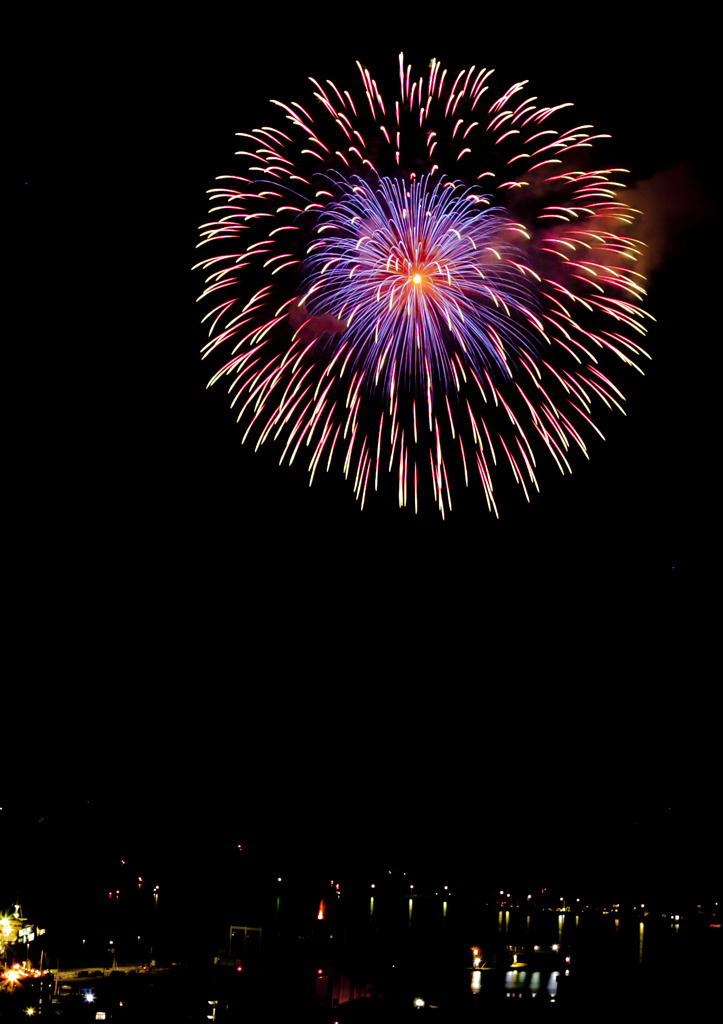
(205, 652)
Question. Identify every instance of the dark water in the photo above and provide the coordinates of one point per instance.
(590, 962)
(392, 951)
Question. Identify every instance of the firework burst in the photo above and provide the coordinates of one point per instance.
(432, 287)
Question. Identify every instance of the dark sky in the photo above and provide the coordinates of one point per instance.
(198, 633)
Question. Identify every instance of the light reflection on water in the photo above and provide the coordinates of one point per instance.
(529, 983)
(603, 951)
(515, 981)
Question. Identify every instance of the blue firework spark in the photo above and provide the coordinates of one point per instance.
(444, 275)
